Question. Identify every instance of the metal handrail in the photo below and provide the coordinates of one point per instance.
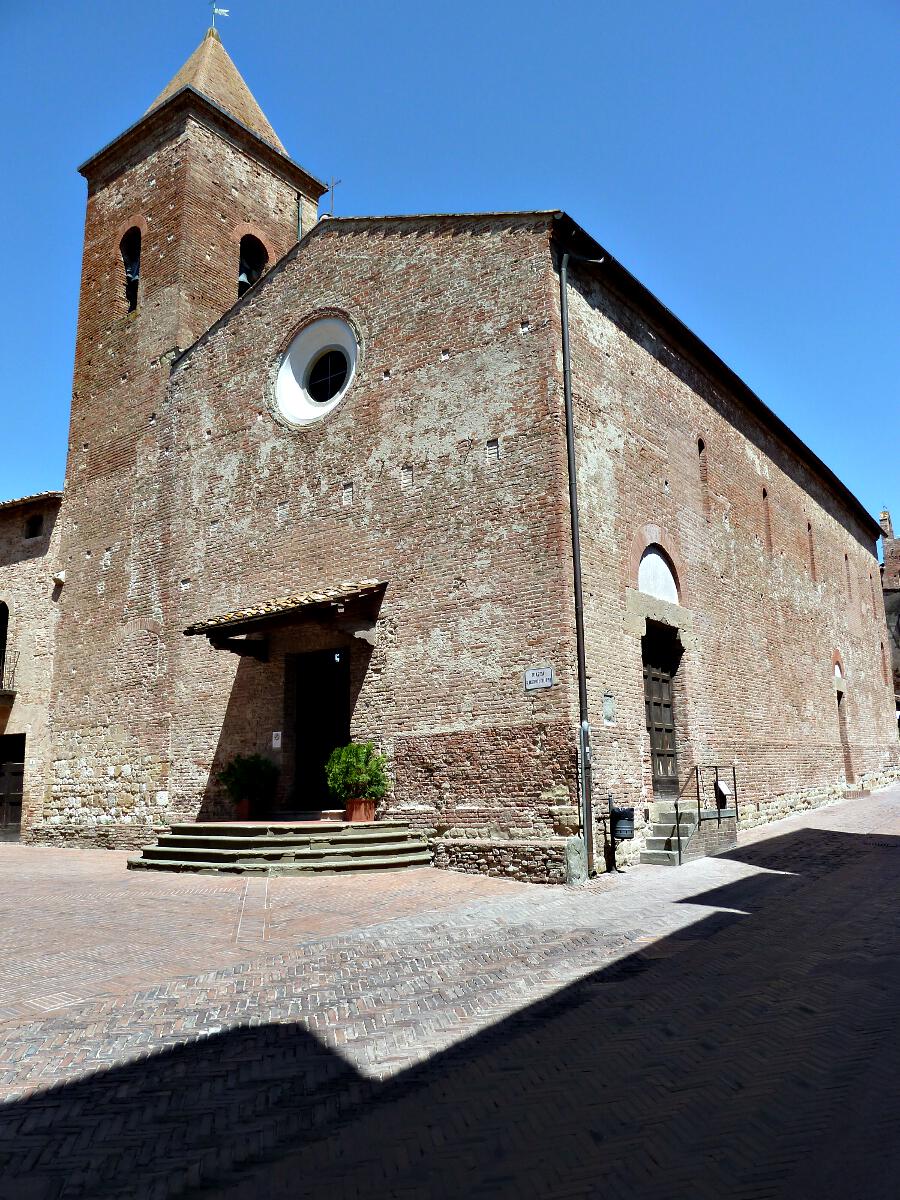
(716, 767)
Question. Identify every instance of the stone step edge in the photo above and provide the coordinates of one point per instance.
(345, 837)
(659, 858)
(274, 829)
(288, 853)
(330, 866)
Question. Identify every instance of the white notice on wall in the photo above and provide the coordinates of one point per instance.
(276, 740)
(538, 677)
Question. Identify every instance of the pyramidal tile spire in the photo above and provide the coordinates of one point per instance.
(210, 71)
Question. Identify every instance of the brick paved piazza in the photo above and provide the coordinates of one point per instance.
(724, 1030)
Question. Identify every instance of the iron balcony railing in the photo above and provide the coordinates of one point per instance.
(9, 660)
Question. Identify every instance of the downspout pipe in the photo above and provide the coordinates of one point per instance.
(584, 732)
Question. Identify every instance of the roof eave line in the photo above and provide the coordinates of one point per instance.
(162, 111)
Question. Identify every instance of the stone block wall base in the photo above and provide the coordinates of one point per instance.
(753, 814)
(93, 837)
(528, 861)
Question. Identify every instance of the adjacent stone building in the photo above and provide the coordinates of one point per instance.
(29, 595)
(325, 478)
(890, 582)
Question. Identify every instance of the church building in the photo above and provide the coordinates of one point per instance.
(456, 484)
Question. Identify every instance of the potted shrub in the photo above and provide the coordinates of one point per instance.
(250, 780)
(357, 779)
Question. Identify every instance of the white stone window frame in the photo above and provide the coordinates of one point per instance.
(289, 400)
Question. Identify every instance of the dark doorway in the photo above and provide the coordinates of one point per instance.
(322, 722)
(661, 651)
(12, 772)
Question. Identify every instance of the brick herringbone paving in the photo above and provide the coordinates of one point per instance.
(723, 1030)
(88, 927)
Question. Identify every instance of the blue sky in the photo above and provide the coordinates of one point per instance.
(739, 158)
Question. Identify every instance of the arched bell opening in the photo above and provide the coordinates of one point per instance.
(254, 258)
(130, 249)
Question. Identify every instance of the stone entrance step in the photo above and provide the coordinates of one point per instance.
(668, 841)
(667, 817)
(662, 839)
(279, 848)
(309, 814)
(660, 858)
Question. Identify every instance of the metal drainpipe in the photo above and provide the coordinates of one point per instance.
(584, 732)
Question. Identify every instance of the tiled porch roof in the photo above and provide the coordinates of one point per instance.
(281, 605)
(20, 501)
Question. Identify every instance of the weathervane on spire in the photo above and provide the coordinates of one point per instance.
(217, 12)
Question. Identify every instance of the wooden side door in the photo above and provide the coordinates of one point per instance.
(11, 779)
(661, 728)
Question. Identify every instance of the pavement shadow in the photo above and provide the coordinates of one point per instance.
(743, 1056)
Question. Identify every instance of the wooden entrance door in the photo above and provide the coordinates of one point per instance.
(661, 728)
(12, 772)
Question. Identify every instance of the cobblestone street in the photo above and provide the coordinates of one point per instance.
(723, 1030)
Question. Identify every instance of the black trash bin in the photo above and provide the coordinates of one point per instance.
(621, 821)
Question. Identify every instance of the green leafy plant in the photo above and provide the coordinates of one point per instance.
(356, 772)
(250, 777)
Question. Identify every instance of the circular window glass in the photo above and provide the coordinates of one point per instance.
(327, 376)
(316, 371)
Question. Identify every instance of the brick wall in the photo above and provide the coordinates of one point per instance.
(766, 603)
(193, 193)
(711, 837)
(27, 565)
(473, 552)
(891, 570)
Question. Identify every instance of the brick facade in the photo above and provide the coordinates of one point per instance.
(473, 551)
(193, 182)
(443, 473)
(771, 586)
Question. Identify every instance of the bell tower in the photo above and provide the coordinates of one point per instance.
(185, 210)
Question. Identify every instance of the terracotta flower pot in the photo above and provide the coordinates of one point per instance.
(360, 810)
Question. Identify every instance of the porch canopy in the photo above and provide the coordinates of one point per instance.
(354, 606)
